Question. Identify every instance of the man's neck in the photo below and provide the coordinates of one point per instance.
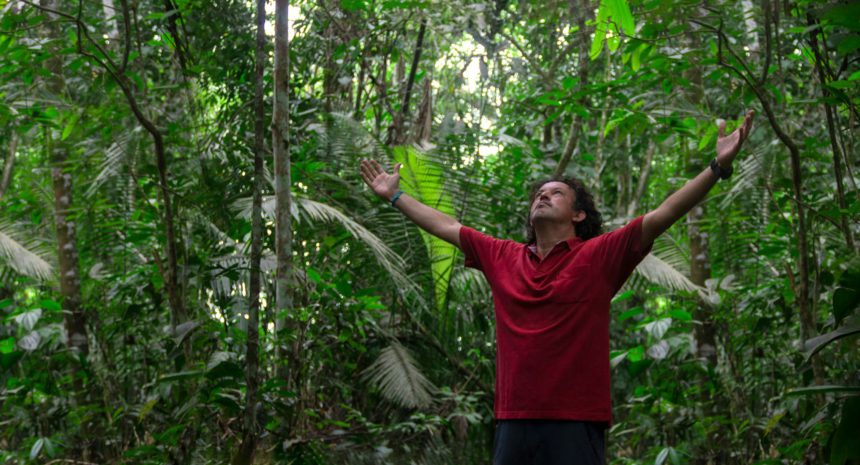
(546, 238)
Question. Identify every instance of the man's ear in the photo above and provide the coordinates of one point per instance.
(578, 217)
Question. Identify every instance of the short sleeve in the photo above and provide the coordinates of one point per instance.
(481, 251)
(619, 251)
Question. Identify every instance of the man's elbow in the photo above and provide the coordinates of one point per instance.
(451, 233)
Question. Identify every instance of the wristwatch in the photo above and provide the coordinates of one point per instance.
(722, 173)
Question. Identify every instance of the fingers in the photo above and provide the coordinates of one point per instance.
(366, 172)
(377, 168)
(372, 168)
(747, 126)
(721, 131)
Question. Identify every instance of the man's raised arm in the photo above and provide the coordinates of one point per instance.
(685, 198)
(387, 186)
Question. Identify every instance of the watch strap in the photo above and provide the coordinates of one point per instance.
(722, 173)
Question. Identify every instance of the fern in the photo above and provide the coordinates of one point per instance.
(661, 273)
(20, 257)
(396, 374)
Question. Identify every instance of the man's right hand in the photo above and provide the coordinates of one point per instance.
(383, 184)
(427, 218)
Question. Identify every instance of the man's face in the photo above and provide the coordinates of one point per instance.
(554, 201)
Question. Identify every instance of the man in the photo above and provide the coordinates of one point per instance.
(551, 298)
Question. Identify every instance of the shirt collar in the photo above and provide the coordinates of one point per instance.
(569, 243)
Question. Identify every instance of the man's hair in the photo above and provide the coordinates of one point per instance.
(591, 226)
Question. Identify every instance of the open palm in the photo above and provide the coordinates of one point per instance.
(383, 184)
(729, 146)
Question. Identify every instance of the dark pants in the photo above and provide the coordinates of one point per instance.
(549, 442)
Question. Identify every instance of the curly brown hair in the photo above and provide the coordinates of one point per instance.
(591, 226)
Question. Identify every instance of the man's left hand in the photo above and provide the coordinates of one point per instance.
(729, 146)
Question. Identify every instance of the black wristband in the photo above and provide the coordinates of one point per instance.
(395, 198)
(722, 173)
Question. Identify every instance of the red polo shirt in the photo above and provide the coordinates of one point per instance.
(552, 320)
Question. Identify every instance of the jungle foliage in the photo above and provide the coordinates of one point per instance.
(192, 272)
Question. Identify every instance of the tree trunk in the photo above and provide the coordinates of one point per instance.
(582, 12)
(831, 131)
(397, 133)
(70, 283)
(67, 248)
(424, 121)
(245, 455)
(284, 233)
(10, 163)
(644, 173)
(109, 11)
(700, 264)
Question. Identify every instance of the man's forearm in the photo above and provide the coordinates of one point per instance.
(677, 205)
(429, 219)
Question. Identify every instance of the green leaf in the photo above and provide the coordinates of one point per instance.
(424, 179)
(622, 296)
(314, 275)
(707, 137)
(50, 305)
(845, 301)
(659, 351)
(658, 328)
(7, 346)
(637, 368)
(848, 44)
(841, 84)
(29, 319)
(823, 390)
(600, 30)
(70, 126)
(845, 444)
(353, 5)
(37, 447)
(681, 315)
(223, 365)
(569, 82)
(635, 59)
(10, 359)
(812, 346)
(636, 354)
(662, 456)
(170, 435)
(630, 313)
(180, 376)
(407, 5)
(147, 407)
(620, 12)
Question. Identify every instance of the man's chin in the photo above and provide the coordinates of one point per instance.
(540, 215)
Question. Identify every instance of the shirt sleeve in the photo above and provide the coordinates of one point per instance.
(618, 252)
(481, 251)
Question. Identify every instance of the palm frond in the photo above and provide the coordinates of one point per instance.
(115, 159)
(20, 258)
(393, 263)
(661, 273)
(399, 379)
(435, 452)
(311, 210)
(748, 174)
(670, 251)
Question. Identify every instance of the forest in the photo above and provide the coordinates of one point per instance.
(193, 272)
